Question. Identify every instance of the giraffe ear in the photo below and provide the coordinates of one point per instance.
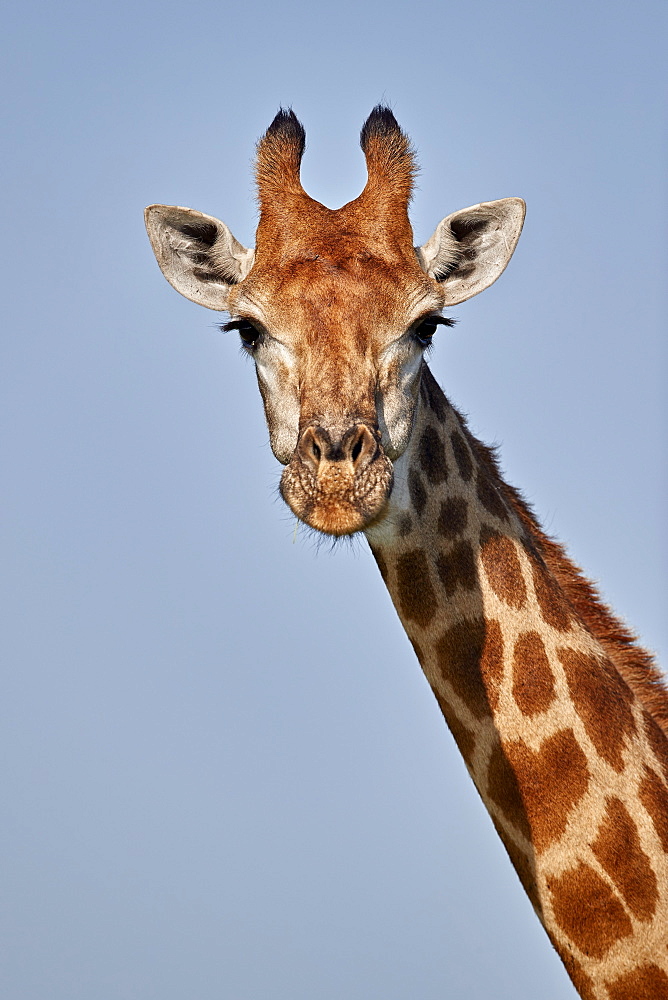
(471, 248)
(197, 254)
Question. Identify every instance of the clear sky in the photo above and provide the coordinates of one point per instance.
(225, 777)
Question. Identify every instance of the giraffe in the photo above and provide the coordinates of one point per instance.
(561, 718)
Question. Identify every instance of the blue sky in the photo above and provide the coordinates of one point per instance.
(227, 776)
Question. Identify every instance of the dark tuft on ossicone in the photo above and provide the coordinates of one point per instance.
(287, 126)
(381, 124)
(390, 161)
(279, 156)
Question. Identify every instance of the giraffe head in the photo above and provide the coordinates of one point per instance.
(336, 308)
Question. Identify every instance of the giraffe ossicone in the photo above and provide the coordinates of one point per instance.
(562, 719)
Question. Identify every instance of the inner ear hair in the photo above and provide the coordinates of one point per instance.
(197, 253)
(460, 248)
(200, 246)
(471, 248)
(449, 259)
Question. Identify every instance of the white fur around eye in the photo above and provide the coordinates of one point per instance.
(395, 401)
(277, 378)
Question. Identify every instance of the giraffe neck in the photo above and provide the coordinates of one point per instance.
(560, 718)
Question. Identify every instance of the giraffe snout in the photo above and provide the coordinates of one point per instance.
(357, 445)
(339, 479)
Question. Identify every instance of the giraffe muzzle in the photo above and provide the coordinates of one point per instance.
(338, 480)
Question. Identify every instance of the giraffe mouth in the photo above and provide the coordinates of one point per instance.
(338, 483)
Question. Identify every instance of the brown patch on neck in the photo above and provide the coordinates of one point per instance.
(462, 456)
(533, 681)
(587, 911)
(618, 849)
(502, 567)
(453, 517)
(504, 790)
(457, 568)
(540, 787)
(648, 982)
(417, 597)
(553, 607)
(603, 702)
(432, 394)
(477, 683)
(460, 651)
(417, 492)
(431, 455)
(490, 496)
(491, 662)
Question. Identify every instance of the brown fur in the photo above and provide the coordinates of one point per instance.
(655, 733)
(416, 592)
(533, 681)
(457, 568)
(390, 160)
(617, 848)
(599, 694)
(491, 662)
(646, 983)
(373, 229)
(279, 157)
(453, 517)
(587, 911)
(417, 491)
(431, 453)
(502, 567)
(462, 456)
(460, 651)
(504, 790)
(552, 780)
(490, 496)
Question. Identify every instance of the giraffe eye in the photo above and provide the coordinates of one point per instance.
(248, 333)
(426, 330)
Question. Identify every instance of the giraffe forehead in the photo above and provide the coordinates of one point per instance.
(330, 302)
(325, 276)
(337, 264)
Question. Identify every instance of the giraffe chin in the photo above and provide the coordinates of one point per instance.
(336, 501)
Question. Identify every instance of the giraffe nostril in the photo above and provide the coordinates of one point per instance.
(319, 448)
(311, 448)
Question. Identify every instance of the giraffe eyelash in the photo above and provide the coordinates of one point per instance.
(426, 328)
(250, 335)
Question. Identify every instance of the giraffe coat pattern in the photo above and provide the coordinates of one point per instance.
(560, 716)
